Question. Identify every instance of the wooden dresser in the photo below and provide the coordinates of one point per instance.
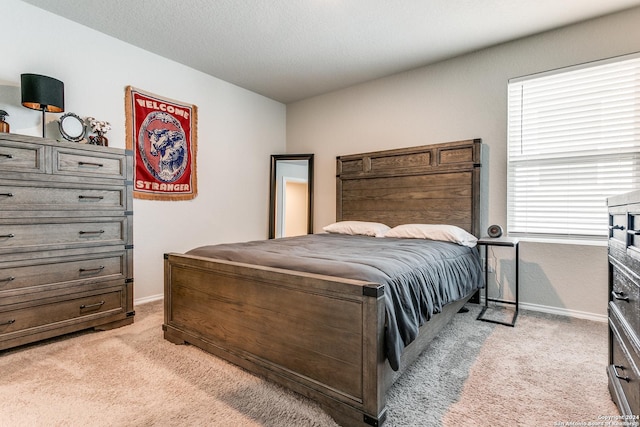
(66, 253)
(624, 302)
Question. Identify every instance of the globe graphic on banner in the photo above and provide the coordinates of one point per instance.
(163, 146)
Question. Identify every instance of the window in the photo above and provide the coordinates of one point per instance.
(573, 141)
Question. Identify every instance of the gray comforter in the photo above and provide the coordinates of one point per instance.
(420, 276)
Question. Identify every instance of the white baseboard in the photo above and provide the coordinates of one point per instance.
(565, 312)
(561, 311)
(145, 300)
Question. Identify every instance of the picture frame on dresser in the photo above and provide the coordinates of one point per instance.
(66, 258)
(72, 127)
(624, 302)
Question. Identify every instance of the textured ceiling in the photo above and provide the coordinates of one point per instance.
(289, 50)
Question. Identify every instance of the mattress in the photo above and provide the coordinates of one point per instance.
(420, 276)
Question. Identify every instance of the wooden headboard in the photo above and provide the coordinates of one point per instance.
(430, 184)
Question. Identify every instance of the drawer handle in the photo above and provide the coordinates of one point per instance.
(633, 232)
(8, 279)
(84, 270)
(92, 232)
(620, 377)
(90, 197)
(9, 322)
(6, 194)
(619, 295)
(8, 156)
(10, 235)
(90, 164)
(98, 304)
(616, 227)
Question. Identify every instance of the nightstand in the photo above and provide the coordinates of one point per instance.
(504, 242)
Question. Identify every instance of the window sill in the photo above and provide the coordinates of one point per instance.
(567, 241)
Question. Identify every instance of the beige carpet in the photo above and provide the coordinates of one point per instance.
(547, 369)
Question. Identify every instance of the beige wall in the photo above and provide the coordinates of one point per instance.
(237, 130)
(459, 99)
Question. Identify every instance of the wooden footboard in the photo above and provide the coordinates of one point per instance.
(321, 336)
(318, 335)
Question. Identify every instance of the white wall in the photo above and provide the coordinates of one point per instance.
(237, 130)
(466, 98)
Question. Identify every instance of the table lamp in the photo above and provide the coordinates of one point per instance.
(42, 93)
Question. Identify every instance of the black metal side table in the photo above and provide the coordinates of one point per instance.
(505, 242)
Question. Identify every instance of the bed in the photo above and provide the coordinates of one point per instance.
(322, 335)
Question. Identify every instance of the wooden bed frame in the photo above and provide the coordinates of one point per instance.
(319, 335)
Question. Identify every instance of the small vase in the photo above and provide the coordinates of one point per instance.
(99, 139)
(4, 126)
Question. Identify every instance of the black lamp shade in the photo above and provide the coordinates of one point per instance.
(42, 93)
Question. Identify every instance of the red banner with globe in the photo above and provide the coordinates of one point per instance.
(162, 134)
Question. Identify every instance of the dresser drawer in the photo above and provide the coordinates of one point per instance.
(21, 196)
(623, 369)
(618, 227)
(54, 313)
(90, 164)
(633, 233)
(58, 233)
(50, 273)
(625, 296)
(22, 157)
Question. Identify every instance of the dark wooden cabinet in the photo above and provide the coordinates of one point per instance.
(66, 238)
(624, 302)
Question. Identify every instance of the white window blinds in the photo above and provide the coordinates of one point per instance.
(573, 141)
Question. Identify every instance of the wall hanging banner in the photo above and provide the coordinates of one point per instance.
(162, 134)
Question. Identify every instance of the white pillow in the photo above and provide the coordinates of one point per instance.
(441, 232)
(357, 227)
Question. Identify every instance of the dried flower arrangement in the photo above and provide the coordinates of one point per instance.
(100, 128)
